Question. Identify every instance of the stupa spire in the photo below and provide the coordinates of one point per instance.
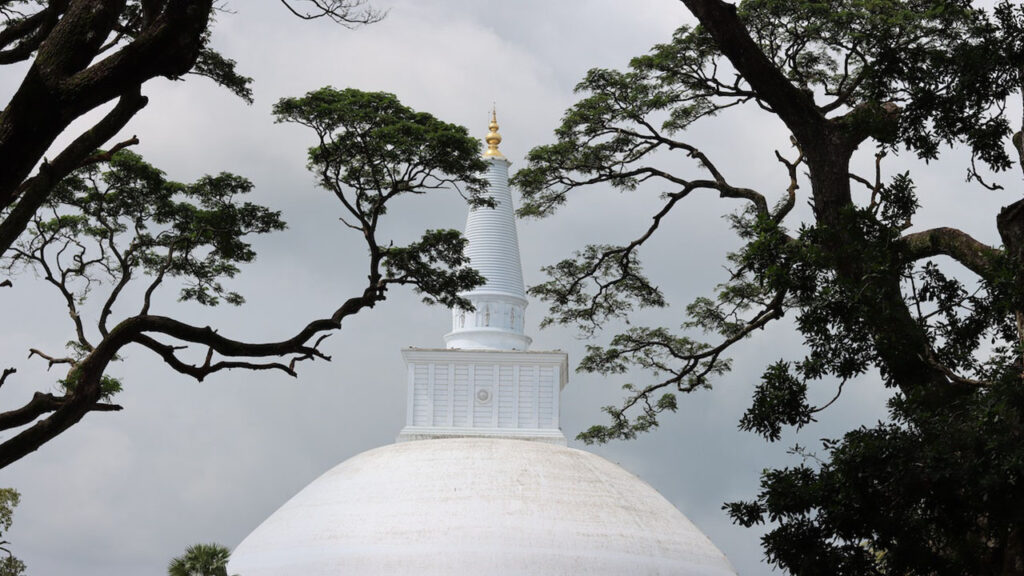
(493, 250)
(486, 383)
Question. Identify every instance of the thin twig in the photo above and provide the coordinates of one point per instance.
(52, 360)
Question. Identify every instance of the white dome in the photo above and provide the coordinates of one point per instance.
(477, 506)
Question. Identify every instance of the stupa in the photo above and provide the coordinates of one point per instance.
(481, 481)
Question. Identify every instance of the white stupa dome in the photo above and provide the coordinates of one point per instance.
(477, 506)
(481, 482)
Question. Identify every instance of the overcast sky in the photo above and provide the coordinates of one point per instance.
(122, 493)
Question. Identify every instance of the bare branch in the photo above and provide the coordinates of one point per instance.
(42, 404)
(106, 156)
(976, 256)
(791, 168)
(166, 352)
(839, 393)
(953, 376)
(348, 13)
(973, 176)
(50, 359)
(7, 372)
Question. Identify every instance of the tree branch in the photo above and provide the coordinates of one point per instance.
(7, 372)
(42, 404)
(29, 33)
(794, 106)
(974, 255)
(348, 13)
(34, 191)
(108, 154)
(50, 359)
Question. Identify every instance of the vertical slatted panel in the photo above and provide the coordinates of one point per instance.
(527, 396)
(461, 399)
(420, 395)
(506, 397)
(545, 397)
(440, 395)
(451, 394)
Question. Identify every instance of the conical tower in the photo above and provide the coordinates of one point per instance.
(486, 382)
(496, 323)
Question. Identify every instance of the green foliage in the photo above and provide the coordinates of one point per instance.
(898, 202)
(109, 386)
(612, 283)
(129, 220)
(626, 428)
(201, 560)
(210, 63)
(128, 225)
(685, 364)
(419, 261)
(222, 70)
(9, 500)
(371, 150)
(929, 57)
(921, 62)
(374, 145)
(935, 488)
(11, 566)
(780, 399)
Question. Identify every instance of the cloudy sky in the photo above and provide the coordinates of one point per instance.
(122, 493)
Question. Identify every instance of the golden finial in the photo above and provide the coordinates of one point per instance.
(493, 138)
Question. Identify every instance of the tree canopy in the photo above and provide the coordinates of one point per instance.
(935, 489)
(109, 239)
(85, 54)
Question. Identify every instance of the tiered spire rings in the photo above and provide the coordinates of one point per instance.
(493, 138)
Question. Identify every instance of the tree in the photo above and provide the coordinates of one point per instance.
(9, 499)
(937, 315)
(201, 560)
(88, 53)
(129, 231)
(85, 56)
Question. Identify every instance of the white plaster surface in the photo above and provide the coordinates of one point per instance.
(493, 247)
(493, 250)
(477, 506)
(484, 392)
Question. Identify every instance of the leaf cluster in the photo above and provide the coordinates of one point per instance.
(934, 491)
(201, 560)
(9, 565)
(129, 221)
(418, 262)
(911, 73)
(372, 150)
(372, 144)
(947, 65)
(600, 283)
(132, 21)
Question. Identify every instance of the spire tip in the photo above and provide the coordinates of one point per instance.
(493, 137)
